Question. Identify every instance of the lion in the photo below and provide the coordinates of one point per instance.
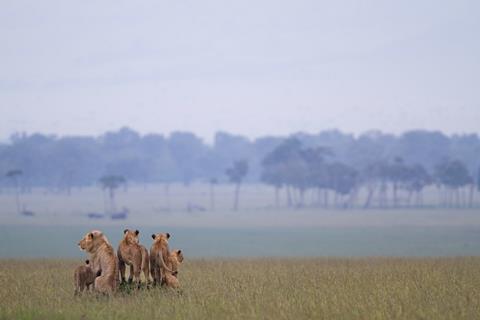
(171, 277)
(159, 253)
(131, 253)
(84, 277)
(103, 259)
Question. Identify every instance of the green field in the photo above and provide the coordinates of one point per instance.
(258, 262)
(320, 288)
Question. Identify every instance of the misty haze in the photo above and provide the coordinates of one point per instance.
(309, 159)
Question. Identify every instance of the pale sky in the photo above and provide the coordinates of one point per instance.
(248, 67)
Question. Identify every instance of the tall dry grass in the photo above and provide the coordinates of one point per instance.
(317, 288)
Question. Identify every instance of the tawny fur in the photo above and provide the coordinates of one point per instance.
(84, 277)
(145, 263)
(130, 254)
(173, 263)
(159, 253)
(103, 260)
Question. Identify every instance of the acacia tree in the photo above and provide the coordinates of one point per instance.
(317, 171)
(284, 166)
(13, 175)
(342, 180)
(236, 174)
(299, 169)
(111, 183)
(417, 179)
(453, 175)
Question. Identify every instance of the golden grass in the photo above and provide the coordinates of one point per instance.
(317, 288)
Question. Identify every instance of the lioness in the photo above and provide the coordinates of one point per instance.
(83, 277)
(131, 253)
(171, 277)
(103, 260)
(159, 253)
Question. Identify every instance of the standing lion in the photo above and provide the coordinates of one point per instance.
(159, 253)
(103, 259)
(131, 253)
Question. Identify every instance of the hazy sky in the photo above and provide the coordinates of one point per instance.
(248, 67)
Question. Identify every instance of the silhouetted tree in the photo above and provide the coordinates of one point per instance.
(284, 166)
(342, 180)
(236, 174)
(111, 183)
(317, 171)
(417, 179)
(13, 176)
(454, 175)
(289, 164)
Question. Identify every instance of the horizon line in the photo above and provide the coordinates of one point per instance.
(250, 138)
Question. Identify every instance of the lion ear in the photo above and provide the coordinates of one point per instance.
(90, 235)
(153, 236)
(137, 232)
(168, 235)
(125, 231)
(179, 251)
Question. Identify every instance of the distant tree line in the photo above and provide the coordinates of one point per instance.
(392, 182)
(330, 168)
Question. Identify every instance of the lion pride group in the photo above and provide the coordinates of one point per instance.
(105, 270)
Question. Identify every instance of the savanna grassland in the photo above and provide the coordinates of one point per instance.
(236, 287)
(316, 288)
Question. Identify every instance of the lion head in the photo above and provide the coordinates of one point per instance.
(176, 258)
(92, 240)
(161, 237)
(177, 254)
(130, 236)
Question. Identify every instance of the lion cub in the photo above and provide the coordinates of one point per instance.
(84, 277)
(174, 260)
